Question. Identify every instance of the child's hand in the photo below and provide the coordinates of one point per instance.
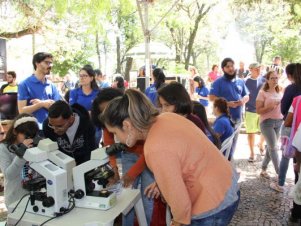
(152, 191)
(113, 180)
(127, 181)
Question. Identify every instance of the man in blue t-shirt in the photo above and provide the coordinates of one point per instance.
(233, 90)
(36, 94)
(254, 84)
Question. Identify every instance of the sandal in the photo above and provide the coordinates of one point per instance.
(264, 174)
(251, 159)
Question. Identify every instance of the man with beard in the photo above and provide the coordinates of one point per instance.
(8, 97)
(11, 86)
(36, 93)
(234, 90)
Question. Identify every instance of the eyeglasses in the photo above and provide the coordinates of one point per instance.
(273, 78)
(83, 75)
(58, 128)
(49, 63)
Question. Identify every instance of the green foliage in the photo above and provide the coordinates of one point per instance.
(261, 25)
(66, 62)
(288, 47)
(295, 6)
(178, 68)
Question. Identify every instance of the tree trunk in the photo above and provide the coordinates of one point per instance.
(194, 57)
(193, 33)
(33, 41)
(98, 50)
(118, 53)
(105, 49)
(259, 50)
(208, 61)
(128, 67)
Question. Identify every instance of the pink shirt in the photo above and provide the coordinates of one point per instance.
(191, 173)
(213, 76)
(296, 111)
(268, 98)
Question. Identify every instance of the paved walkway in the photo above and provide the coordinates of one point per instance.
(259, 204)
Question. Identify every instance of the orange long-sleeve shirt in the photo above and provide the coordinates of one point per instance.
(191, 173)
(138, 167)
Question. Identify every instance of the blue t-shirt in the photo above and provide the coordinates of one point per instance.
(103, 84)
(32, 88)
(231, 90)
(253, 85)
(77, 96)
(222, 126)
(204, 93)
(151, 93)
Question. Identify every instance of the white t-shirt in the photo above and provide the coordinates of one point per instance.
(73, 129)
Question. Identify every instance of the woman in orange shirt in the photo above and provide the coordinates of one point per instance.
(133, 162)
(196, 181)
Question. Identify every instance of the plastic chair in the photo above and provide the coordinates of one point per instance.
(227, 144)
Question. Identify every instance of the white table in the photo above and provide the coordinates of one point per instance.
(128, 199)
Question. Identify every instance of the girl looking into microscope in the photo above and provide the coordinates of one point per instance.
(22, 131)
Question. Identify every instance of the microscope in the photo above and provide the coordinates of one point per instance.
(90, 179)
(55, 169)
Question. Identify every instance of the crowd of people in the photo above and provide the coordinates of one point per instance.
(172, 151)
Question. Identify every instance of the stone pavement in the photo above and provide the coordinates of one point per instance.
(259, 204)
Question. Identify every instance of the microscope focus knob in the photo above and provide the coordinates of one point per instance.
(48, 202)
(35, 209)
(79, 194)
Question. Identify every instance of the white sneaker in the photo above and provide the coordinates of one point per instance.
(276, 187)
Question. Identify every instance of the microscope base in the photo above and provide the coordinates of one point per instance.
(92, 202)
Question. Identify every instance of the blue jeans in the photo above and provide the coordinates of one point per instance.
(98, 135)
(283, 167)
(221, 218)
(144, 179)
(270, 129)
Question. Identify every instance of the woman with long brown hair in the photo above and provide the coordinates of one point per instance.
(268, 108)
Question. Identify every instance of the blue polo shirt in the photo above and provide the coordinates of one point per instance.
(151, 93)
(253, 85)
(204, 93)
(32, 88)
(77, 96)
(223, 127)
(231, 90)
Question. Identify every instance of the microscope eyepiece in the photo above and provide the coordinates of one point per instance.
(115, 149)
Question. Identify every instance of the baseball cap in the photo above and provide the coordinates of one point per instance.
(254, 65)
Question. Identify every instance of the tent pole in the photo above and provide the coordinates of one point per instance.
(147, 41)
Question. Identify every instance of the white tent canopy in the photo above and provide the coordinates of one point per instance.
(142, 6)
(156, 49)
